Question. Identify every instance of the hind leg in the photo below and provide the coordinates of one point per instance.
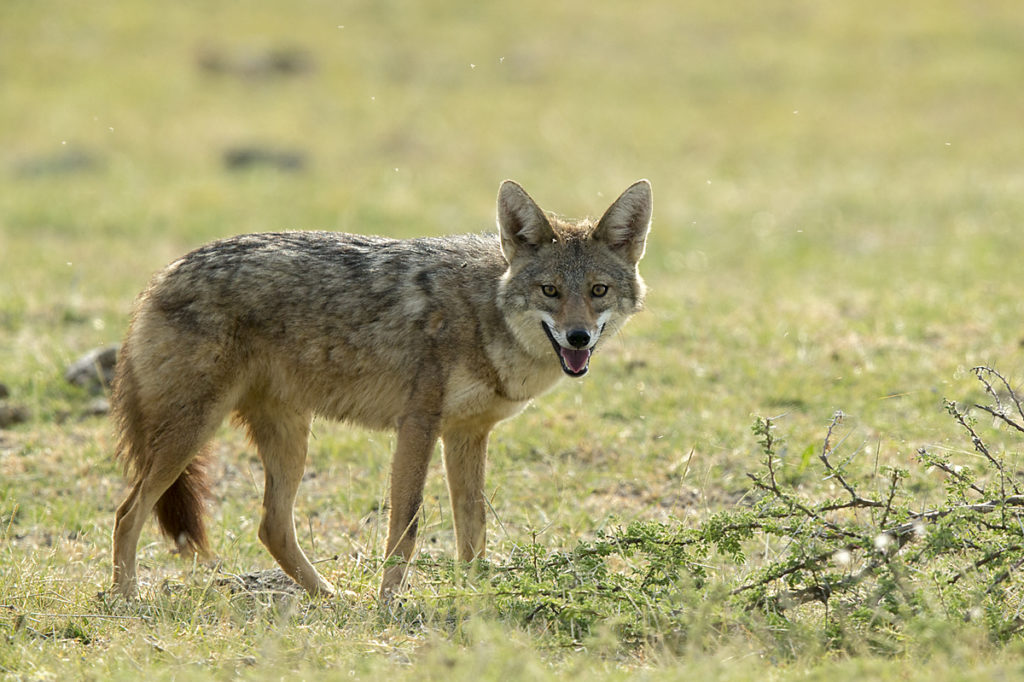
(131, 517)
(281, 436)
(163, 470)
(169, 459)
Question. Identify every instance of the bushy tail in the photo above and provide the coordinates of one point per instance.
(180, 509)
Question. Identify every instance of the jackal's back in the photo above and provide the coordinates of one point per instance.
(340, 324)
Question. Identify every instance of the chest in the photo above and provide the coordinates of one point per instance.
(498, 391)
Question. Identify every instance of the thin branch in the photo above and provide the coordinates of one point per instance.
(826, 450)
(980, 446)
(893, 487)
(807, 563)
(834, 472)
(103, 616)
(985, 560)
(774, 489)
(1003, 575)
(858, 502)
(979, 372)
(976, 441)
(924, 454)
(1000, 415)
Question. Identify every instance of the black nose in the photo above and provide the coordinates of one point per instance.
(578, 338)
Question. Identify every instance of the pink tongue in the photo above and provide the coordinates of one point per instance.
(575, 360)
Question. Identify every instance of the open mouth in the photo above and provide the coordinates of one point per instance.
(574, 361)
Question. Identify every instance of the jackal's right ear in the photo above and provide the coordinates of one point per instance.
(521, 222)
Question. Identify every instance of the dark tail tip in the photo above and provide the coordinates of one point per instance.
(180, 509)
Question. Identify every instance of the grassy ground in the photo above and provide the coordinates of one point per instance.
(838, 194)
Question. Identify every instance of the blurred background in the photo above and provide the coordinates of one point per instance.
(838, 186)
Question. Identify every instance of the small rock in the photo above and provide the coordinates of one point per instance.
(12, 414)
(94, 371)
(252, 156)
(97, 408)
(62, 162)
(272, 580)
(256, 64)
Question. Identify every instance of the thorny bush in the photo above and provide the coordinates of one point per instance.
(859, 567)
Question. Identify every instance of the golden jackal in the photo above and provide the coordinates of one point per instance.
(436, 337)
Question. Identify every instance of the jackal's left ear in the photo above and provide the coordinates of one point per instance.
(521, 223)
(624, 226)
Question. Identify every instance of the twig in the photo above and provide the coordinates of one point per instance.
(893, 486)
(774, 489)
(998, 414)
(826, 450)
(976, 441)
(987, 559)
(104, 616)
(834, 472)
(924, 454)
(979, 372)
(1003, 575)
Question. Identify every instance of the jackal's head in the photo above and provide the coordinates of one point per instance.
(570, 284)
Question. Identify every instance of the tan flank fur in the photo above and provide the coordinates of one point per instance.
(434, 338)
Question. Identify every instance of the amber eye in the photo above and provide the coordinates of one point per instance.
(599, 290)
(549, 290)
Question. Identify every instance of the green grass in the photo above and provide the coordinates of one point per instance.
(838, 199)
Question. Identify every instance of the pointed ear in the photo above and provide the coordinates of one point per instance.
(521, 223)
(624, 226)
